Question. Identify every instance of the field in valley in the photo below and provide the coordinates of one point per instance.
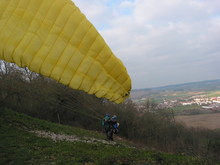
(209, 121)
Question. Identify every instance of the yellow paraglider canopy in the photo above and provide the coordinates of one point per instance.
(53, 38)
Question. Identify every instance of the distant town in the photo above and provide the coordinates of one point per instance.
(205, 102)
(196, 97)
(202, 100)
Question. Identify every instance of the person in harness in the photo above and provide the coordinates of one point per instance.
(114, 124)
(106, 123)
(110, 126)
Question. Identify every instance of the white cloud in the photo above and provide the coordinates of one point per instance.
(160, 42)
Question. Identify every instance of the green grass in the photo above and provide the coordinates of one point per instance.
(19, 146)
(215, 93)
(188, 108)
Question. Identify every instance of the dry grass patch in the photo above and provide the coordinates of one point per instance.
(209, 121)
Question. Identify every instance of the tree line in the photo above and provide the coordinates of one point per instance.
(33, 94)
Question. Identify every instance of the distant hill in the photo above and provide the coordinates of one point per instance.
(201, 86)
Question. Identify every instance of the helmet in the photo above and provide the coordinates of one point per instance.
(114, 117)
(108, 115)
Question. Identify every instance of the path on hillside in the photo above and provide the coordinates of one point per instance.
(73, 138)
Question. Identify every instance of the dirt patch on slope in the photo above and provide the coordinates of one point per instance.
(70, 138)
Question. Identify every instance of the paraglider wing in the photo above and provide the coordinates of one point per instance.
(53, 38)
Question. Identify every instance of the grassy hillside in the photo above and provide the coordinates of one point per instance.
(26, 140)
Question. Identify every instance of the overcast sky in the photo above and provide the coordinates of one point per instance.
(161, 42)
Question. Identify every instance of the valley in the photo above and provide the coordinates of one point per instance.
(183, 99)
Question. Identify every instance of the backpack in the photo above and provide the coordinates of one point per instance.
(105, 120)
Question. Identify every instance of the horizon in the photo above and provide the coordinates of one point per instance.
(175, 84)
